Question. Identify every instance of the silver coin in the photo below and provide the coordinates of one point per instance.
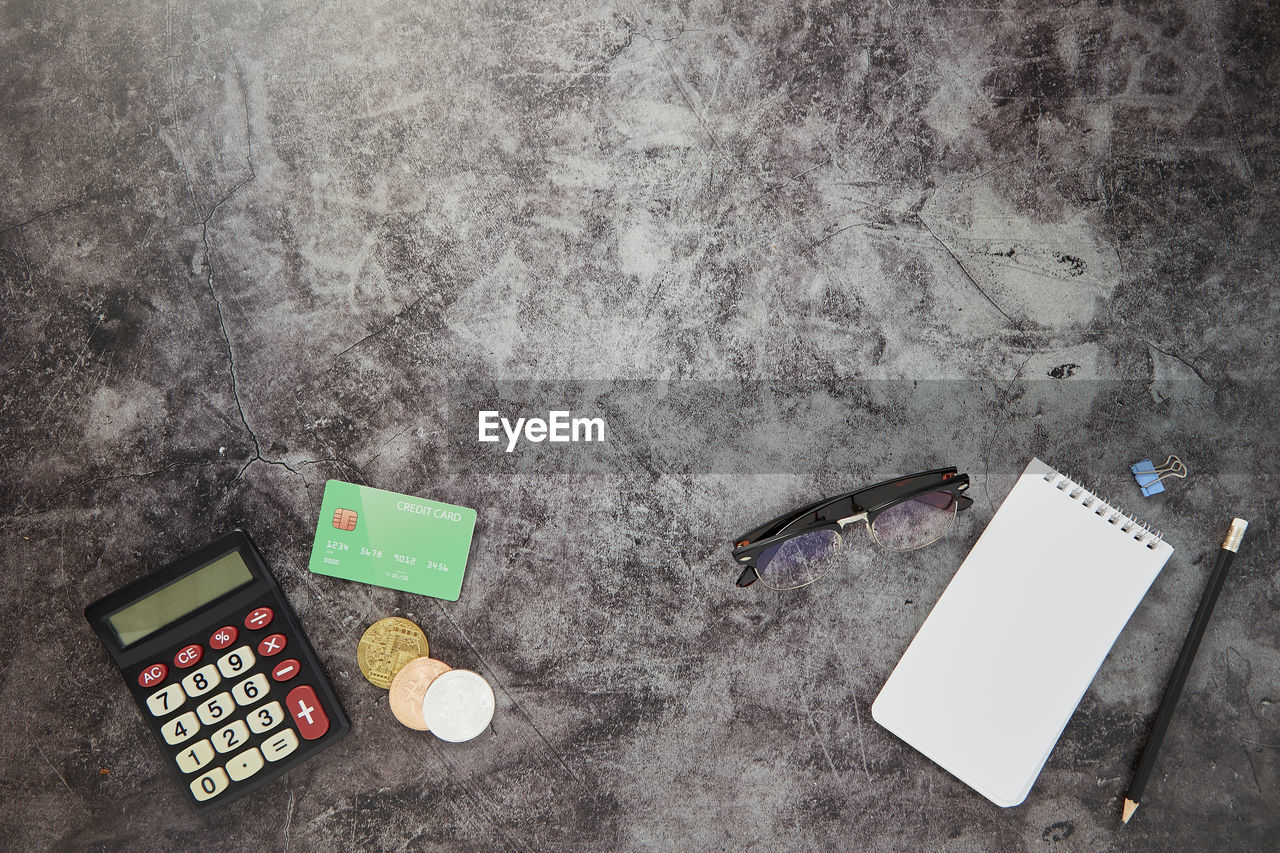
(458, 705)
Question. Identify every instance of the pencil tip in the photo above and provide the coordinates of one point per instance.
(1129, 808)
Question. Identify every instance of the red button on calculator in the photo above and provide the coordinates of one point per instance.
(307, 713)
(188, 656)
(153, 675)
(286, 669)
(259, 618)
(272, 645)
(223, 637)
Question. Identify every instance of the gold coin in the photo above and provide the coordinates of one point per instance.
(408, 688)
(387, 645)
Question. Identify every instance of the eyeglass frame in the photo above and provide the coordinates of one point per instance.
(837, 512)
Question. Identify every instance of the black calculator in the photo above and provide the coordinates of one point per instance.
(221, 670)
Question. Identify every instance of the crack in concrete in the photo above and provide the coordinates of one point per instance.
(128, 475)
(964, 270)
(50, 212)
(217, 302)
(1193, 368)
(395, 318)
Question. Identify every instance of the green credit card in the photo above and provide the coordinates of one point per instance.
(392, 540)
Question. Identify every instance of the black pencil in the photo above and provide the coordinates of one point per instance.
(1180, 669)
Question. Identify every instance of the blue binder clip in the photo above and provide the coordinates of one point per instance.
(1149, 476)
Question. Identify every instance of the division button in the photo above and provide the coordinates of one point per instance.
(286, 669)
(272, 645)
(259, 619)
(307, 714)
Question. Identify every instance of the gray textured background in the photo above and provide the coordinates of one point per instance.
(245, 247)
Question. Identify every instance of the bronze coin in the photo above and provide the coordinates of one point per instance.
(408, 688)
(387, 645)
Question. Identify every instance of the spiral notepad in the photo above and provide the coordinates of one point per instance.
(996, 670)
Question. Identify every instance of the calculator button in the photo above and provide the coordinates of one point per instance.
(245, 764)
(210, 784)
(214, 710)
(153, 675)
(223, 637)
(188, 656)
(195, 756)
(230, 736)
(307, 713)
(201, 681)
(272, 645)
(279, 745)
(180, 729)
(250, 690)
(259, 619)
(166, 700)
(286, 669)
(265, 718)
(236, 663)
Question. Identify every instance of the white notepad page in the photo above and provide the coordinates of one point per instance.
(989, 682)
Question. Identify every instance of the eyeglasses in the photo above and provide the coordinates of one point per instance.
(801, 546)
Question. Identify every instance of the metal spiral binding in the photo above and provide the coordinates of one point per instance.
(1105, 510)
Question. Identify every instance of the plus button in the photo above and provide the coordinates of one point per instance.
(307, 712)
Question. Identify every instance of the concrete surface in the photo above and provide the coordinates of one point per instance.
(786, 248)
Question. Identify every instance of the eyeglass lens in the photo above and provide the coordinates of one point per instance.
(800, 560)
(916, 522)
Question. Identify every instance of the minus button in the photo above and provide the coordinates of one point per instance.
(286, 669)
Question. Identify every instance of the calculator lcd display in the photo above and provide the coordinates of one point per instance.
(190, 592)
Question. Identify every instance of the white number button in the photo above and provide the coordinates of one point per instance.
(235, 663)
(245, 764)
(280, 745)
(196, 756)
(266, 718)
(230, 736)
(166, 700)
(212, 710)
(210, 784)
(250, 690)
(201, 681)
(180, 728)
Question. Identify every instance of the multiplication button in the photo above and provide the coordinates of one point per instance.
(245, 764)
(210, 784)
(166, 700)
